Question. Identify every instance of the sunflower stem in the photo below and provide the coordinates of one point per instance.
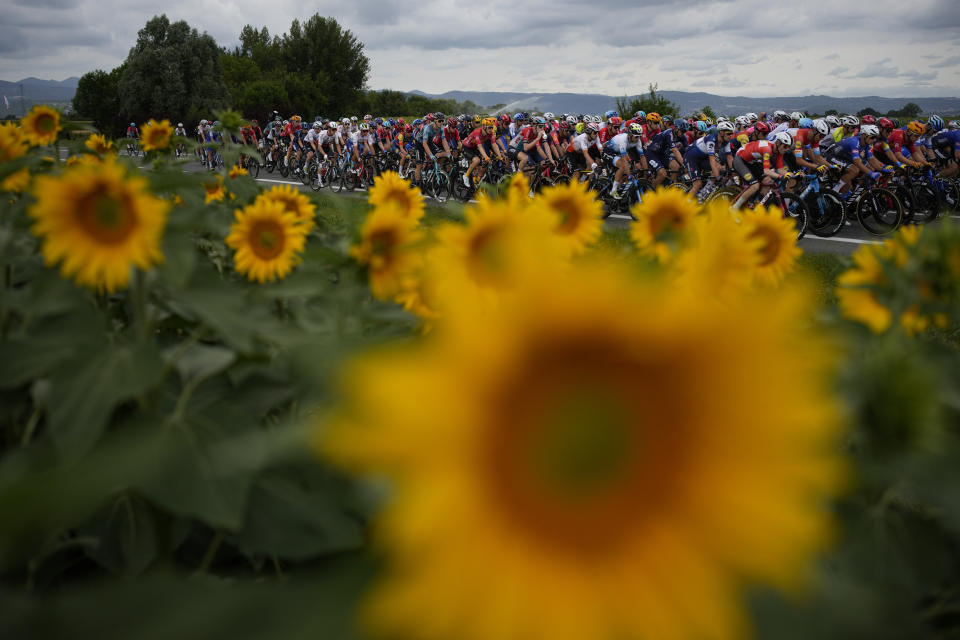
(140, 305)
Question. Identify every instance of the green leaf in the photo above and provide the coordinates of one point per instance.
(86, 390)
(127, 534)
(201, 361)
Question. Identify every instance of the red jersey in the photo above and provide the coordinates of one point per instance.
(804, 140)
(529, 135)
(476, 138)
(451, 135)
(760, 151)
(606, 134)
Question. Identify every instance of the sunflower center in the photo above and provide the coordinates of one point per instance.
(267, 239)
(46, 123)
(157, 137)
(569, 216)
(666, 220)
(485, 256)
(105, 216)
(771, 245)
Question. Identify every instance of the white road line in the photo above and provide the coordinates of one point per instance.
(853, 240)
(620, 216)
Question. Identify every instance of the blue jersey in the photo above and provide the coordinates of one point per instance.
(707, 146)
(850, 149)
(946, 142)
(662, 143)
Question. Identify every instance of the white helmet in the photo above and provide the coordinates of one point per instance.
(345, 121)
(869, 130)
(742, 121)
(722, 119)
(796, 115)
(752, 117)
(594, 127)
(571, 119)
(780, 113)
(725, 125)
(317, 125)
(203, 122)
(353, 118)
(821, 126)
(833, 121)
(548, 116)
(851, 121)
(180, 125)
(784, 138)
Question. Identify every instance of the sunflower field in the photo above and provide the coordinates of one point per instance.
(245, 411)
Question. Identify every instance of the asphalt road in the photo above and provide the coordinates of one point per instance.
(846, 242)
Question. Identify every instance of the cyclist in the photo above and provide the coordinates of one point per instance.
(179, 132)
(806, 143)
(423, 139)
(945, 144)
(760, 160)
(624, 151)
(851, 155)
(584, 150)
(704, 154)
(661, 150)
(479, 145)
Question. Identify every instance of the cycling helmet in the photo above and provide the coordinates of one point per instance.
(489, 122)
(364, 126)
(935, 122)
(640, 115)
(917, 127)
(332, 124)
(752, 117)
(614, 121)
(345, 121)
(722, 119)
(780, 113)
(896, 122)
(885, 123)
(796, 115)
(518, 117)
(593, 127)
(805, 123)
(180, 124)
(285, 122)
(296, 118)
(833, 121)
(316, 126)
(635, 129)
(821, 127)
(870, 130)
(784, 138)
(667, 119)
(579, 128)
(353, 118)
(429, 117)
(388, 122)
(953, 125)
(133, 124)
(654, 117)
(407, 129)
(725, 125)
(452, 122)
(368, 117)
(869, 119)
(761, 127)
(216, 123)
(539, 120)
(682, 125)
(850, 121)
(702, 126)
(609, 114)
(548, 115)
(477, 119)
(571, 119)
(741, 121)
(504, 118)
(439, 115)
(379, 120)
(401, 121)
(417, 122)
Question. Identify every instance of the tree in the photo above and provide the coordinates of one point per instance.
(98, 98)
(709, 112)
(652, 102)
(909, 110)
(171, 71)
(831, 112)
(869, 111)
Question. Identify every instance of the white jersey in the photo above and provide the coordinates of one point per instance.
(620, 143)
(582, 142)
(312, 136)
(180, 131)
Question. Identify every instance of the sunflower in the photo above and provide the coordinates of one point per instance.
(98, 143)
(267, 241)
(496, 248)
(418, 293)
(778, 249)
(518, 191)
(390, 187)
(236, 171)
(855, 290)
(579, 215)
(156, 135)
(41, 125)
(294, 202)
(719, 258)
(662, 216)
(386, 247)
(13, 143)
(98, 222)
(17, 181)
(553, 480)
(215, 190)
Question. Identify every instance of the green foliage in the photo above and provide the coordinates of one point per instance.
(869, 111)
(172, 70)
(709, 112)
(909, 110)
(98, 98)
(652, 102)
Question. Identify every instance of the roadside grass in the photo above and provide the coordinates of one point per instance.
(823, 270)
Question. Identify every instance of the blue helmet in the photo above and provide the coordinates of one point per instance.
(936, 122)
(805, 123)
(611, 114)
(702, 126)
(379, 120)
(518, 117)
(388, 122)
(417, 122)
(132, 124)
(640, 115)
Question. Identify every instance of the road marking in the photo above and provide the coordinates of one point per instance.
(853, 240)
(620, 216)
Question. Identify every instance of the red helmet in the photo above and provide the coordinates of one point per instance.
(885, 123)
(868, 119)
(429, 117)
(761, 127)
(615, 121)
(451, 121)
(407, 129)
(401, 121)
(505, 118)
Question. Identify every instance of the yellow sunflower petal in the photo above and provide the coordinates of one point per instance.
(579, 215)
(386, 247)
(662, 217)
(294, 202)
(156, 135)
(778, 248)
(267, 241)
(41, 125)
(390, 187)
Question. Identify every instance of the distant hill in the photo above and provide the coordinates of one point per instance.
(690, 102)
(37, 91)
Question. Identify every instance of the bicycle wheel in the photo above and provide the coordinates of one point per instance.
(727, 194)
(827, 214)
(951, 193)
(253, 167)
(283, 168)
(795, 209)
(926, 204)
(879, 211)
(441, 187)
(306, 172)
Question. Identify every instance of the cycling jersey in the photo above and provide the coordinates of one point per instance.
(582, 143)
(761, 151)
(450, 134)
(132, 132)
(620, 144)
(848, 150)
(945, 143)
(476, 138)
(803, 140)
(662, 143)
(312, 136)
(706, 146)
(180, 131)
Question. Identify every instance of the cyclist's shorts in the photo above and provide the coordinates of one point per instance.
(696, 164)
(658, 161)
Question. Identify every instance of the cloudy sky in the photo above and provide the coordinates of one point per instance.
(743, 47)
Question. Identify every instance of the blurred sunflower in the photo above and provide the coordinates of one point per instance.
(236, 171)
(418, 293)
(719, 258)
(156, 135)
(579, 215)
(13, 142)
(386, 247)
(662, 217)
(518, 191)
(778, 245)
(495, 248)
(98, 143)
(41, 125)
(855, 294)
(294, 202)
(267, 241)
(98, 222)
(553, 479)
(215, 190)
(17, 181)
(390, 187)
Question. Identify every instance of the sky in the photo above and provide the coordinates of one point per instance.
(745, 47)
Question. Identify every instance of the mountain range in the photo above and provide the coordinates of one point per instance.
(36, 91)
(689, 102)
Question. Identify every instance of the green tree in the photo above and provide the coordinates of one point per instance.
(98, 98)
(172, 70)
(909, 110)
(869, 111)
(709, 112)
(652, 102)
(831, 112)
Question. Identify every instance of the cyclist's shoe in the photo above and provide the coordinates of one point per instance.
(466, 180)
(615, 194)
